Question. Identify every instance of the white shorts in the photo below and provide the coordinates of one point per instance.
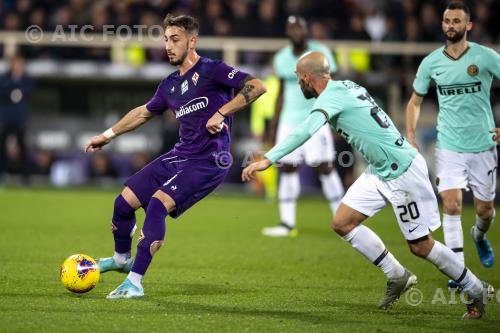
(477, 171)
(318, 149)
(411, 195)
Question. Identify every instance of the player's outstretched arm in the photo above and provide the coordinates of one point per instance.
(129, 122)
(412, 115)
(298, 137)
(252, 89)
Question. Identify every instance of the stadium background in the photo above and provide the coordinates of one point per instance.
(83, 84)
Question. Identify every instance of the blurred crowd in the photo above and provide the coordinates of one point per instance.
(365, 20)
(392, 20)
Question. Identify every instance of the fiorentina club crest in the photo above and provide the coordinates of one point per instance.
(195, 78)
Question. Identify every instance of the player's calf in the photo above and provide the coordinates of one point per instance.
(152, 235)
(123, 227)
(484, 219)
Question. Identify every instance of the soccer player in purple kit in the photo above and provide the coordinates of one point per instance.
(202, 96)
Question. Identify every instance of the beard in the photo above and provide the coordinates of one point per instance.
(457, 36)
(308, 91)
(180, 60)
(299, 44)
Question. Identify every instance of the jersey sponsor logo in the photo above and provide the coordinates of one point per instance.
(193, 105)
(184, 87)
(195, 78)
(232, 73)
(472, 70)
(459, 89)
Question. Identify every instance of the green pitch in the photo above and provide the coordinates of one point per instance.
(216, 273)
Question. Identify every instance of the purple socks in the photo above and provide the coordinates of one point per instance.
(123, 225)
(152, 235)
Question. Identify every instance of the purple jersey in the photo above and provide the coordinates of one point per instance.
(194, 97)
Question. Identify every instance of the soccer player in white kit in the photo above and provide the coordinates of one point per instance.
(466, 155)
(318, 151)
(396, 174)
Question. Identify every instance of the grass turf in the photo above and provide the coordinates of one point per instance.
(216, 273)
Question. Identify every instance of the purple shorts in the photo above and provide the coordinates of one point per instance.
(184, 180)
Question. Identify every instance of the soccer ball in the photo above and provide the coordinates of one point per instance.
(79, 273)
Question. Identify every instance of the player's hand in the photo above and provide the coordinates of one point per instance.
(249, 171)
(215, 124)
(96, 143)
(496, 137)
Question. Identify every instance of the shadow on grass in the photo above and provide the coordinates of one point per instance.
(201, 289)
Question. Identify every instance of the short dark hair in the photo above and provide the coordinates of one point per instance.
(460, 6)
(187, 22)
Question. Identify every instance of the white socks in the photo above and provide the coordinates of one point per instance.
(448, 263)
(135, 278)
(121, 258)
(453, 235)
(288, 192)
(482, 227)
(332, 189)
(371, 246)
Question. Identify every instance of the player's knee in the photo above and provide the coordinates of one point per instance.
(485, 211)
(418, 250)
(123, 208)
(452, 206)
(166, 200)
(422, 247)
(341, 226)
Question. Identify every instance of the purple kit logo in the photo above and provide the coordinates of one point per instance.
(192, 106)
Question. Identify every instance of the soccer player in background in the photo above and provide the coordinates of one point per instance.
(397, 173)
(466, 155)
(15, 88)
(201, 95)
(319, 150)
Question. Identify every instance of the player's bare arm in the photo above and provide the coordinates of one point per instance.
(133, 119)
(412, 115)
(252, 89)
